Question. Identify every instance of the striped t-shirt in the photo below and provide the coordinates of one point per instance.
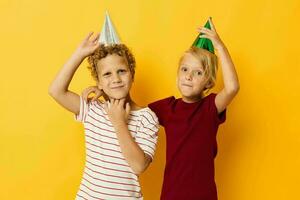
(107, 174)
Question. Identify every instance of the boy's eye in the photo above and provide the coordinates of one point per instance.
(106, 74)
(121, 71)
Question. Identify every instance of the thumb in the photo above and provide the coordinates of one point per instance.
(127, 109)
(106, 106)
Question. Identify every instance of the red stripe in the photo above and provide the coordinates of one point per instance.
(99, 120)
(146, 145)
(110, 168)
(150, 154)
(105, 193)
(107, 161)
(120, 183)
(97, 152)
(154, 120)
(103, 147)
(152, 136)
(122, 177)
(146, 140)
(81, 197)
(110, 187)
(99, 133)
(102, 141)
(148, 125)
(89, 194)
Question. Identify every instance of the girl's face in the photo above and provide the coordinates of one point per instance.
(191, 79)
(114, 76)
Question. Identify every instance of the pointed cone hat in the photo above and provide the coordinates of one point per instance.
(108, 34)
(204, 43)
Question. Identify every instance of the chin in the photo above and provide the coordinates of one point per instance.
(185, 92)
(118, 96)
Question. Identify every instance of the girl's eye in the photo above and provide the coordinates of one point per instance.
(184, 69)
(198, 73)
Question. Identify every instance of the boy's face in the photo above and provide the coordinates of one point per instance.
(191, 79)
(114, 76)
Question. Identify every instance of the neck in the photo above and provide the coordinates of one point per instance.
(192, 99)
(132, 104)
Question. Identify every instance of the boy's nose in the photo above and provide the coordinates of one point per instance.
(116, 79)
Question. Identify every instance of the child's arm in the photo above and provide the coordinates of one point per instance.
(134, 155)
(230, 78)
(59, 87)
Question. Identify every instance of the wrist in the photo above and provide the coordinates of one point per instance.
(220, 47)
(119, 124)
(79, 55)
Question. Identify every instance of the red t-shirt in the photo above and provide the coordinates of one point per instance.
(191, 130)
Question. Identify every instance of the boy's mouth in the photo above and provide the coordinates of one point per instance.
(117, 87)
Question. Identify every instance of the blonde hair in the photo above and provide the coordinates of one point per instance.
(103, 51)
(209, 62)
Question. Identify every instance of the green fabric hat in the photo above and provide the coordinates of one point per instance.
(204, 43)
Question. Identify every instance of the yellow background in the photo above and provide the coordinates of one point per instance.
(42, 147)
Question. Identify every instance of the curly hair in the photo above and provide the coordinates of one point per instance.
(103, 51)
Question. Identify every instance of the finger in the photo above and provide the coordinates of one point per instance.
(85, 94)
(94, 98)
(205, 36)
(117, 101)
(205, 30)
(106, 106)
(90, 91)
(98, 94)
(96, 46)
(96, 37)
(127, 108)
(122, 102)
(88, 36)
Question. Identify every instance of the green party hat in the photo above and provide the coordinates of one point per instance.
(204, 43)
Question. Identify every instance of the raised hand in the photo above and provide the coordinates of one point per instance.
(211, 34)
(88, 45)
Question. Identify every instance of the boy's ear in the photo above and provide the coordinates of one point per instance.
(99, 86)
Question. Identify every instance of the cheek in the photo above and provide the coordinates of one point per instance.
(103, 83)
(180, 76)
(128, 79)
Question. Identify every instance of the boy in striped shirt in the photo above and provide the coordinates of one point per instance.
(120, 136)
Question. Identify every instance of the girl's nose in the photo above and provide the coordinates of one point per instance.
(188, 76)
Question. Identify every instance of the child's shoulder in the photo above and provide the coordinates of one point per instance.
(210, 96)
(99, 104)
(145, 114)
(164, 101)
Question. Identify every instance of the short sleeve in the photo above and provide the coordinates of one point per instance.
(161, 108)
(84, 108)
(218, 118)
(146, 136)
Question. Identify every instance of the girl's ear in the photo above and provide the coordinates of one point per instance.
(209, 84)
